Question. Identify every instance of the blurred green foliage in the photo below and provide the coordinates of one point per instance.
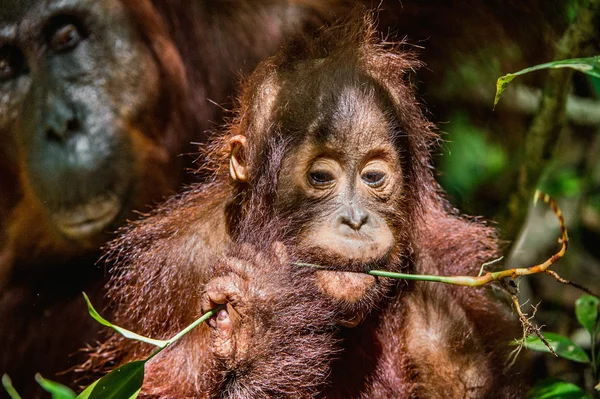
(472, 159)
(566, 182)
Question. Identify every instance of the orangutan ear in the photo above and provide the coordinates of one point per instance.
(237, 159)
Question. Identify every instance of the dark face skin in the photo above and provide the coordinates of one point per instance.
(349, 171)
(75, 77)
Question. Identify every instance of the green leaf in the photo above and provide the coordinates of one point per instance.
(86, 392)
(586, 310)
(501, 84)
(7, 384)
(556, 389)
(123, 382)
(590, 66)
(563, 347)
(57, 390)
(126, 381)
(121, 330)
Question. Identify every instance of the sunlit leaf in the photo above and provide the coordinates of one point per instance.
(586, 310)
(7, 384)
(501, 85)
(57, 390)
(124, 382)
(563, 347)
(556, 389)
(86, 393)
(590, 66)
(121, 330)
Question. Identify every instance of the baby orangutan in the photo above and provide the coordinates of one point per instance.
(330, 154)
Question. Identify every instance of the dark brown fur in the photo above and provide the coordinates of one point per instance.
(413, 340)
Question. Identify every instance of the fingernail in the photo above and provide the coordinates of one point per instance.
(222, 315)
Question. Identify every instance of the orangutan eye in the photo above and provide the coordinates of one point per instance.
(323, 173)
(12, 62)
(65, 38)
(321, 178)
(64, 33)
(373, 178)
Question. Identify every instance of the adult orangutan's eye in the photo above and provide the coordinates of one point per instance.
(12, 62)
(64, 32)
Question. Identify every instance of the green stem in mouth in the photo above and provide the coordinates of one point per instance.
(469, 281)
(457, 280)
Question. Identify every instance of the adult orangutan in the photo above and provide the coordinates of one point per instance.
(327, 163)
(98, 100)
